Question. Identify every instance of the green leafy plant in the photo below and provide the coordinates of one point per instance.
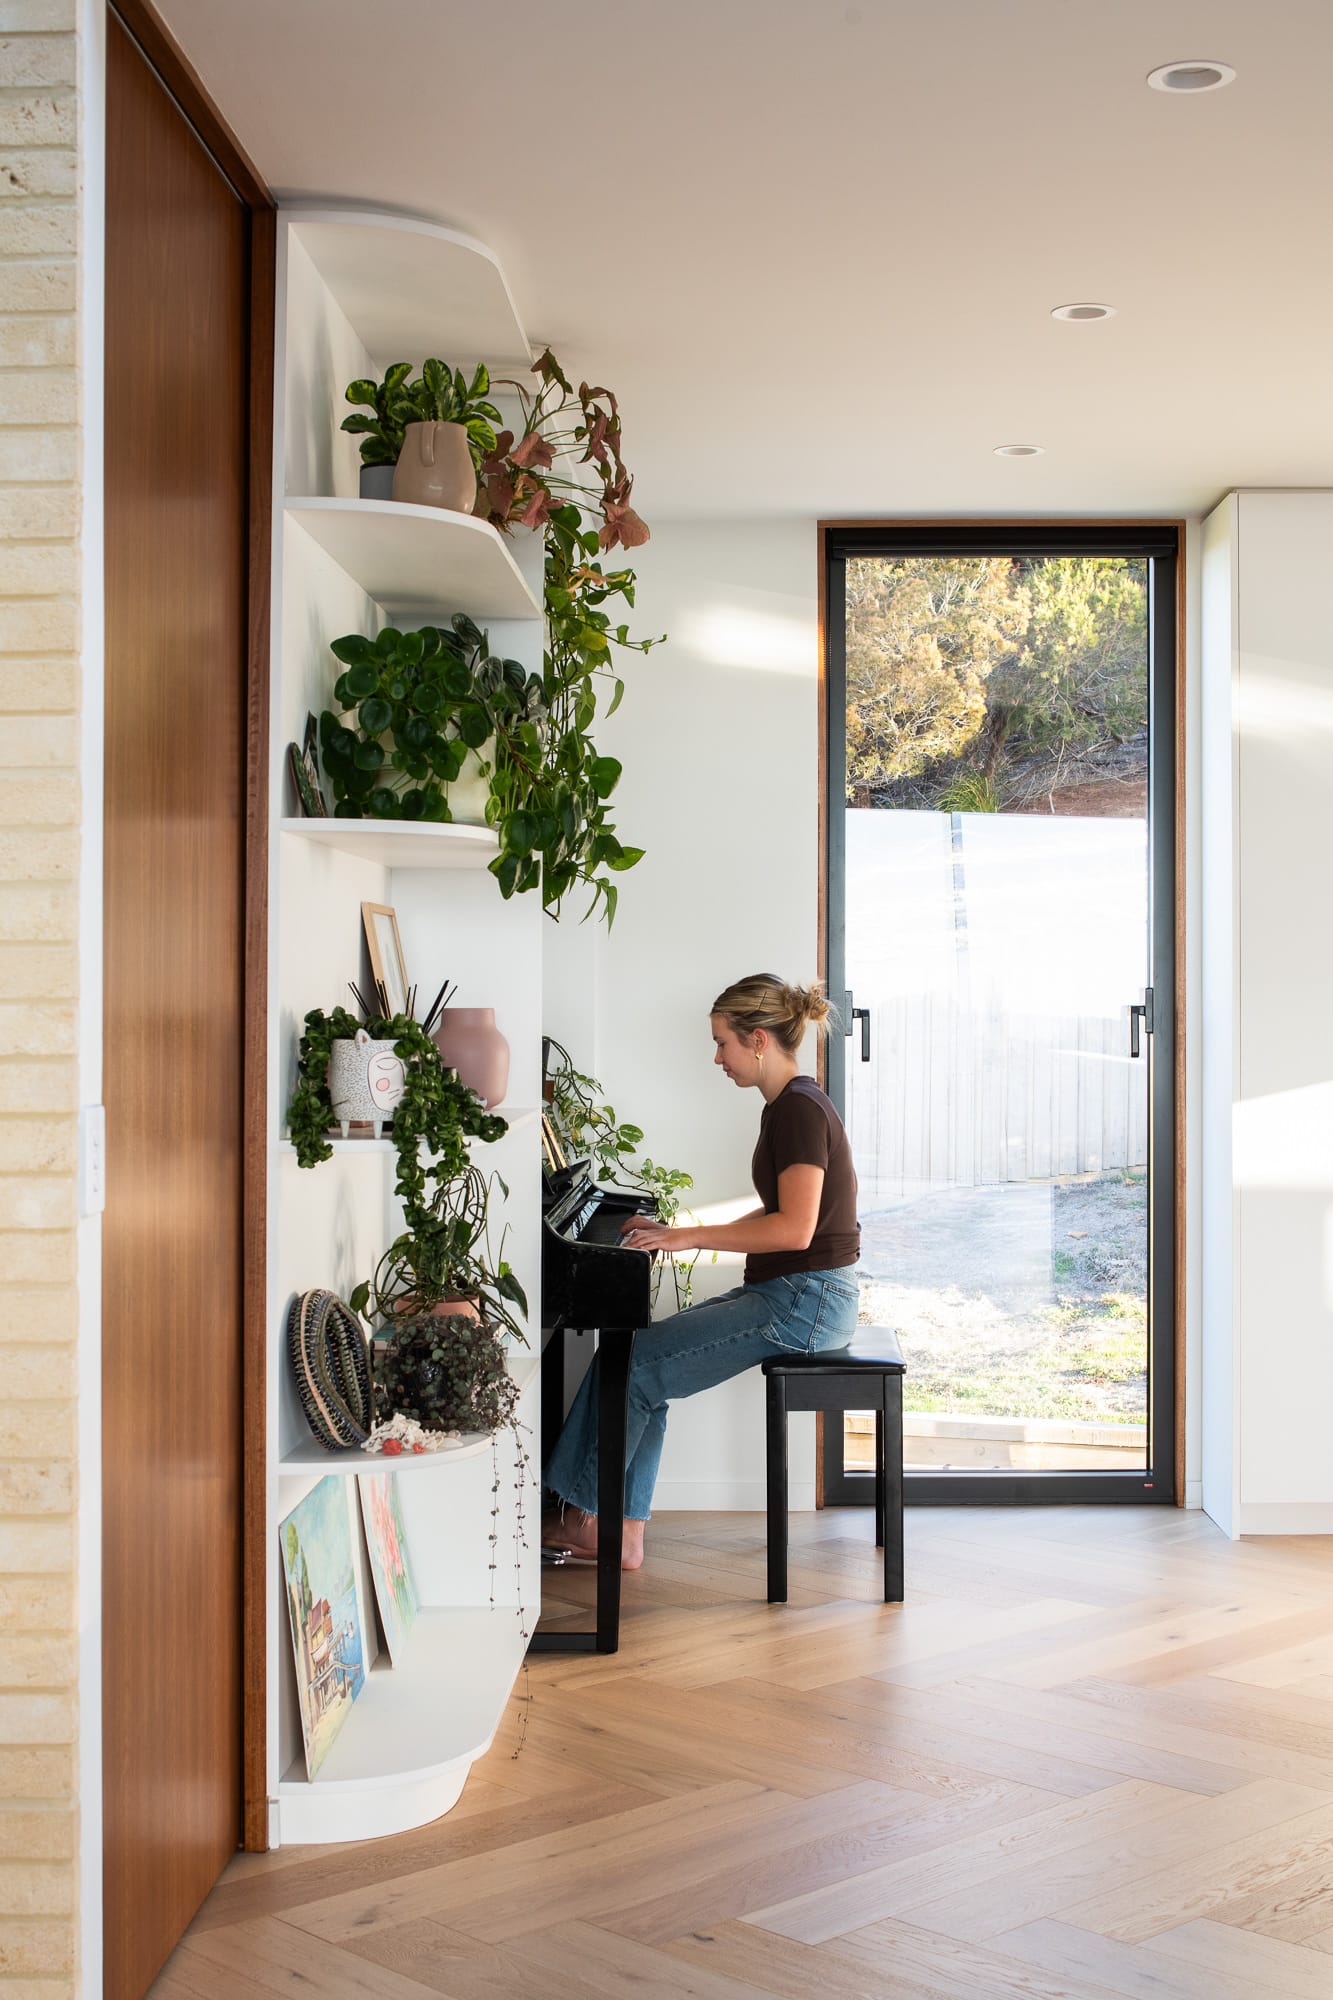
(450, 1374)
(443, 1250)
(968, 792)
(439, 395)
(393, 407)
(588, 1128)
(437, 1112)
(414, 704)
(444, 1255)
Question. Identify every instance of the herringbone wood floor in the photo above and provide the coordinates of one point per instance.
(1091, 1756)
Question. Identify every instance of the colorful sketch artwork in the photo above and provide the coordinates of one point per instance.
(390, 1564)
(326, 1620)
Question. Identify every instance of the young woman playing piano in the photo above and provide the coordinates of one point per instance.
(801, 1245)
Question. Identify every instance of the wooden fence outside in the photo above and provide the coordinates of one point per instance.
(972, 1098)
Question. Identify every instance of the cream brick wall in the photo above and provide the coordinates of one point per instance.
(39, 854)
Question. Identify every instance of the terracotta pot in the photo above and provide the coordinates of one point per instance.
(469, 1042)
(407, 1308)
(435, 468)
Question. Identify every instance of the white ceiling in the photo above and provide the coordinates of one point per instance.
(814, 246)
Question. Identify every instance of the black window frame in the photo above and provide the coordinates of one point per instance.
(1159, 544)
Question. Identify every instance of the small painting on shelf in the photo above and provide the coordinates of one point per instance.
(390, 1564)
(326, 1623)
(388, 968)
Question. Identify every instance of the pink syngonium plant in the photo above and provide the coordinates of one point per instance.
(514, 474)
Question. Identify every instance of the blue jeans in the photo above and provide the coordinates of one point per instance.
(695, 1350)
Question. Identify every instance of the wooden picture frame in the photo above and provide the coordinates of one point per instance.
(388, 967)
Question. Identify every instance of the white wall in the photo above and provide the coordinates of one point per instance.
(718, 736)
(1268, 1052)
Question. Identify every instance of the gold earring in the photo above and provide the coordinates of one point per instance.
(759, 1057)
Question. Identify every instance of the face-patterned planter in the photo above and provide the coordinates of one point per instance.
(366, 1081)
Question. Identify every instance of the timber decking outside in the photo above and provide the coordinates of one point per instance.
(1090, 1758)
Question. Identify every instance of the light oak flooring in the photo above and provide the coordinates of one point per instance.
(1091, 1758)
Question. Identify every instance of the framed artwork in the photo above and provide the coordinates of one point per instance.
(327, 1647)
(304, 761)
(388, 969)
(390, 1564)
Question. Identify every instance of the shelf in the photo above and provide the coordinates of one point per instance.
(413, 1733)
(412, 288)
(420, 563)
(516, 1116)
(402, 843)
(310, 1457)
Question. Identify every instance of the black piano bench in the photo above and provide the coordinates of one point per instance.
(868, 1375)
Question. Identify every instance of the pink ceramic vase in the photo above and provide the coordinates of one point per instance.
(470, 1043)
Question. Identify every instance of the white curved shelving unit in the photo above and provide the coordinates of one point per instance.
(356, 290)
(409, 288)
(415, 1731)
(421, 563)
(395, 843)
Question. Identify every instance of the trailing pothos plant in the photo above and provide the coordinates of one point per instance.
(439, 1254)
(587, 1127)
(440, 394)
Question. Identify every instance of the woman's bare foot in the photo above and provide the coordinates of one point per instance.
(578, 1531)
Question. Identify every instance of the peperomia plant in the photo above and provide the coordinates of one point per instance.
(439, 395)
(416, 702)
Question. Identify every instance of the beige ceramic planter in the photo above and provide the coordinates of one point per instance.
(435, 468)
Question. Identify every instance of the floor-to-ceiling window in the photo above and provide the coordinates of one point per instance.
(1001, 927)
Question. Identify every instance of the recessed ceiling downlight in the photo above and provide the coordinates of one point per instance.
(1018, 450)
(1191, 76)
(1085, 309)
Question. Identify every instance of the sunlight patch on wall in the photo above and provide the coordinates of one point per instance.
(754, 637)
(1284, 1140)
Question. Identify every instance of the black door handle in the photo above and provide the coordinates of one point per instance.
(1140, 1012)
(862, 1014)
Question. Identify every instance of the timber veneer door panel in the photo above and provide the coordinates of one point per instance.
(176, 606)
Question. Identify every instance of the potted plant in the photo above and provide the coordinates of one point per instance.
(441, 1262)
(587, 1127)
(426, 439)
(421, 712)
(393, 407)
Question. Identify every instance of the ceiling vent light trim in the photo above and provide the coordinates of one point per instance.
(1189, 78)
(1018, 450)
(1083, 309)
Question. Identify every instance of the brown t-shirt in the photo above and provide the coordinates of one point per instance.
(800, 1128)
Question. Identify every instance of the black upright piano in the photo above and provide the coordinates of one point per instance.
(591, 1281)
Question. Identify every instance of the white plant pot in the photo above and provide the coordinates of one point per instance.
(468, 793)
(366, 1082)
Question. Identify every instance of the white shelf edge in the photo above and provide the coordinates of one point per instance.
(309, 509)
(338, 1804)
(433, 843)
(306, 1458)
(517, 1118)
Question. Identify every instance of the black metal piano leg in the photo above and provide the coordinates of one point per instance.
(614, 1350)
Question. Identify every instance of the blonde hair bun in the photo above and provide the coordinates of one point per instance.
(762, 1000)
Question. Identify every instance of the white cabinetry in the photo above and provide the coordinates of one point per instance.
(1267, 1021)
(356, 291)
